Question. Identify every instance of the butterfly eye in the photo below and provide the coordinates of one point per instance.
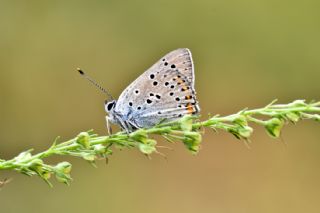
(110, 105)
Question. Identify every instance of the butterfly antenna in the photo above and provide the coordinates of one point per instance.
(95, 83)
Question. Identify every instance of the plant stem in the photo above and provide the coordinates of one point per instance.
(90, 146)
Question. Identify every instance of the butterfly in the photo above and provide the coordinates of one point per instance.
(164, 92)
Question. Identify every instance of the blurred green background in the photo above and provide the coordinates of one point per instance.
(246, 54)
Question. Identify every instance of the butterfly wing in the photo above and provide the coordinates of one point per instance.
(164, 91)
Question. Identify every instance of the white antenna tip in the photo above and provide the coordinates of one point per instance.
(80, 71)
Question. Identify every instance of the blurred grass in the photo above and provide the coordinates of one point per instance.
(246, 54)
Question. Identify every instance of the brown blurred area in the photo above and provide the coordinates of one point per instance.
(246, 54)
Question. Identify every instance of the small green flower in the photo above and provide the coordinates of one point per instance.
(298, 103)
(64, 167)
(83, 139)
(23, 156)
(149, 147)
(186, 123)
(245, 131)
(89, 156)
(139, 135)
(274, 126)
(294, 117)
(241, 121)
(192, 141)
(63, 178)
(62, 171)
(36, 165)
(46, 175)
(99, 149)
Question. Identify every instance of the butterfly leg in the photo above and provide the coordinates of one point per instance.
(124, 126)
(109, 129)
(132, 124)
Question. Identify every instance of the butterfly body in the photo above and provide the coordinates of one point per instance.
(164, 92)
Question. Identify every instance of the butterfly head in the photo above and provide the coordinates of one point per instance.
(110, 106)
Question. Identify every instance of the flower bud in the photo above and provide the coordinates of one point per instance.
(274, 126)
(149, 147)
(62, 171)
(63, 178)
(240, 120)
(83, 139)
(192, 141)
(245, 131)
(64, 167)
(89, 157)
(299, 103)
(186, 123)
(293, 116)
(99, 149)
(46, 175)
(23, 156)
(139, 135)
(36, 165)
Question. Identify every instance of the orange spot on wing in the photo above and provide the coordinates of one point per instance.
(190, 108)
(184, 87)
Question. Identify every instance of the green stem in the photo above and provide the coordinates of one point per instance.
(91, 147)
